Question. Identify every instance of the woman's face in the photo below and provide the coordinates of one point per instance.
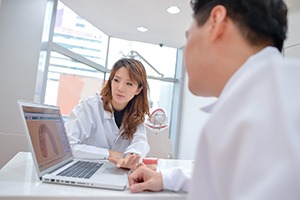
(123, 89)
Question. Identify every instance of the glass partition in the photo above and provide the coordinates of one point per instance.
(69, 81)
(79, 36)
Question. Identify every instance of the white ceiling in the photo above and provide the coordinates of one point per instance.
(120, 18)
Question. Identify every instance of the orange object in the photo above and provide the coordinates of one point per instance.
(151, 163)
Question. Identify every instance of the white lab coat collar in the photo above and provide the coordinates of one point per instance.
(250, 64)
(265, 53)
(209, 108)
(106, 114)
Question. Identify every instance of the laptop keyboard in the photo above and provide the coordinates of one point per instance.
(81, 169)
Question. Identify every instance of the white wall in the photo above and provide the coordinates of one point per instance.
(21, 25)
(292, 44)
(193, 120)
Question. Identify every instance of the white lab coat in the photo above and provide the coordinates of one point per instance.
(92, 132)
(250, 147)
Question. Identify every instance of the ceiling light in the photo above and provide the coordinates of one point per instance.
(142, 29)
(173, 10)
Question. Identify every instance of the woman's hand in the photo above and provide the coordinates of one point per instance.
(129, 162)
(144, 178)
(115, 154)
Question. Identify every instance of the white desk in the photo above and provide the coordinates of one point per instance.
(18, 180)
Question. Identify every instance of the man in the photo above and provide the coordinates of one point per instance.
(250, 146)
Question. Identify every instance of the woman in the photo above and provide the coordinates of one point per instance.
(111, 125)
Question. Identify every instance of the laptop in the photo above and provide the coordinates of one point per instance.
(52, 153)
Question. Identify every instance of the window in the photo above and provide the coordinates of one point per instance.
(72, 63)
(79, 36)
(75, 61)
(70, 81)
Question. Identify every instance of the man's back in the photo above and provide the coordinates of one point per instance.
(250, 147)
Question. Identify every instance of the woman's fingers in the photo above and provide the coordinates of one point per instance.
(129, 162)
(113, 160)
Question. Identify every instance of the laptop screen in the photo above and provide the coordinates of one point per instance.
(48, 137)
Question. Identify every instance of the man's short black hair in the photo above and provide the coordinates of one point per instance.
(258, 20)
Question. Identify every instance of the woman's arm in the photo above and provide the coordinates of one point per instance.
(81, 127)
(137, 148)
(89, 152)
(139, 144)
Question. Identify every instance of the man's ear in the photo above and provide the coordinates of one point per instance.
(217, 19)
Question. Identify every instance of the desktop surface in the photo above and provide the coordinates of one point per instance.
(19, 180)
